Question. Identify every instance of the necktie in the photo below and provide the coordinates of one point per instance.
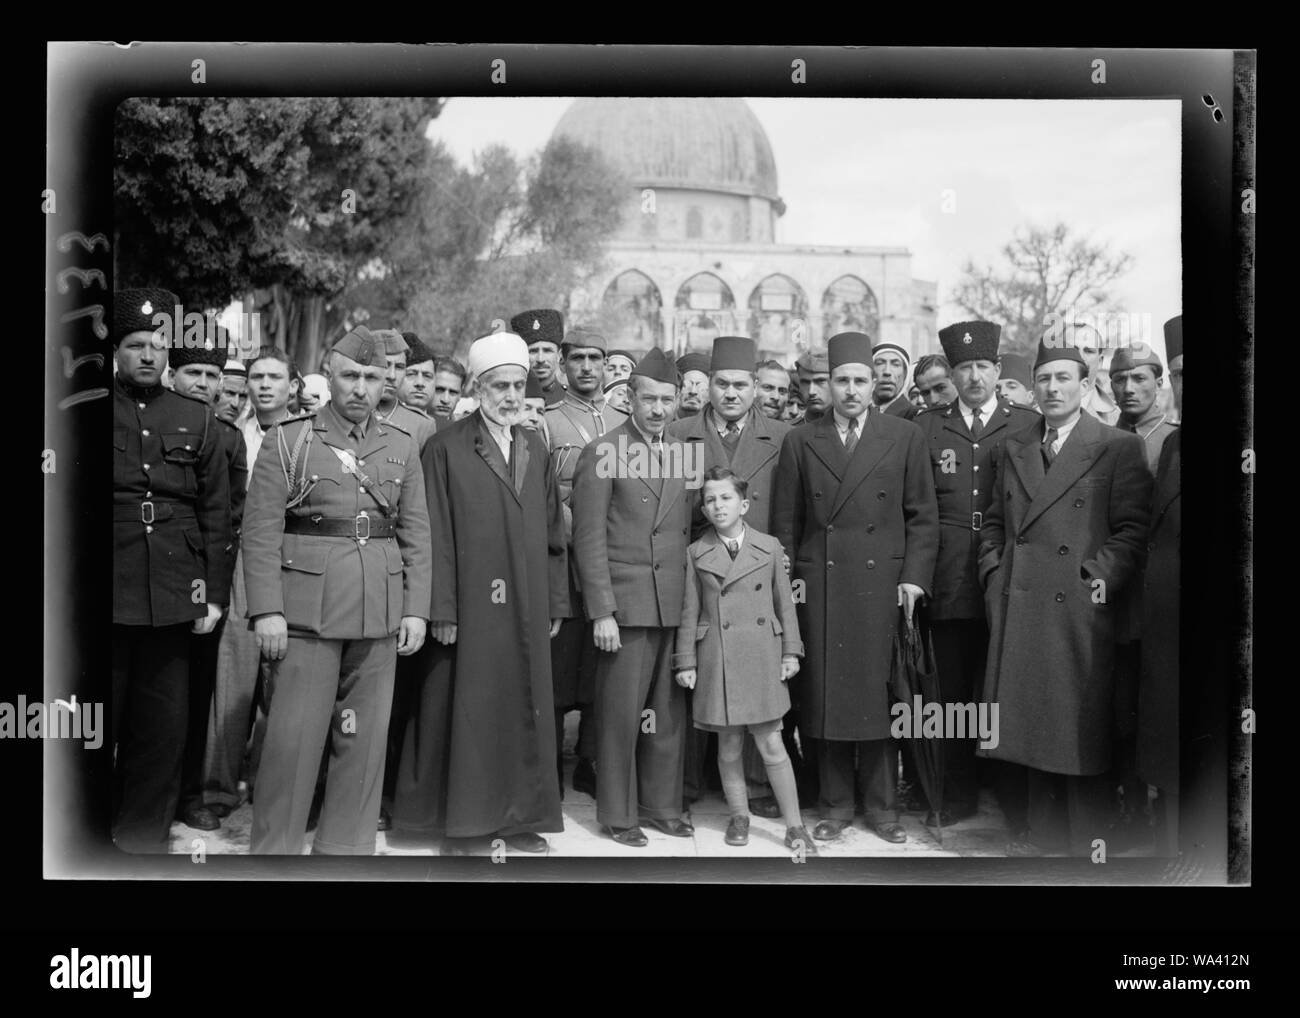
(851, 438)
(355, 433)
(976, 425)
(733, 547)
(1048, 454)
(732, 438)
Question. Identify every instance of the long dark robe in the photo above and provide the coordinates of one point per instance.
(479, 753)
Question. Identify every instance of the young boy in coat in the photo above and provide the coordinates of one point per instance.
(737, 645)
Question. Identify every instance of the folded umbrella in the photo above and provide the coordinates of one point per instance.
(913, 673)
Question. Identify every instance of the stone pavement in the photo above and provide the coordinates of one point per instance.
(981, 835)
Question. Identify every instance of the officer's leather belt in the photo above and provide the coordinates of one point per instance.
(359, 528)
(967, 521)
(152, 511)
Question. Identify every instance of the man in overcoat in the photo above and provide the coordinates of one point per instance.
(855, 510)
(631, 523)
(337, 567)
(478, 754)
(1064, 534)
(1158, 732)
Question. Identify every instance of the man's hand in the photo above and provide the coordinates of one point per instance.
(789, 667)
(445, 633)
(606, 634)
(555, 627)
(206, 625)
(410, 637)
(908, 593)
(272, 633)
(686, 678)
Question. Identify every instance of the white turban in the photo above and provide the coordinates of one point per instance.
(496, 350)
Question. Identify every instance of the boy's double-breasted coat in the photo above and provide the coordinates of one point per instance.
(738, 619)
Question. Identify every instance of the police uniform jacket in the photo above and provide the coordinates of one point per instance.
(171, 508)
(328, 586)
(965, 472)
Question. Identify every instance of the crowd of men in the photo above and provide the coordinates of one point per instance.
(367, 598)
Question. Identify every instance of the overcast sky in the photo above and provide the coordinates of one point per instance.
(873, 172)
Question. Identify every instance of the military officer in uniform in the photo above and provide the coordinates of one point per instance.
(337, 564)
(582, 416)
(963, 440)
(196, 373)
(171, 562)
(814, 384)
(391, 410)
(543, 331)
(891, 362)
(1136, 376)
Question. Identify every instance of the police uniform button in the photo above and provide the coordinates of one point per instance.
(187, 448)
(975, 445)
(362, 490)
(361, 463)
(148, 530)
(1062, 550)
(148, 494)
(146, 466)
(315, 477)
(976, 491)
(140, 405)
(1059, 597)
(830, 528)
(976, 467)
(145, 432)
(871, 563)
(829, 564)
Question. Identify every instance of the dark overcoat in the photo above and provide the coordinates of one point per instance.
(854, 528)
(1048, 537)
(499, 574)
(1157, 749)
(754, 461)
(738, 620)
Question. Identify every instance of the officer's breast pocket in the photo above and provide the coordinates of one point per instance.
(180, 458)
(302, 572)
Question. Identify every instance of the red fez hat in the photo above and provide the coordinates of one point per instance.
(733, 353)
(848, 348)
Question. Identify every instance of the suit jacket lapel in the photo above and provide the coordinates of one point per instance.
(1025, 453)
(756, 447)
(746, 561)
(672, 486)
(870, 449)
(714, 558)
(827, 447)
(1072, 462)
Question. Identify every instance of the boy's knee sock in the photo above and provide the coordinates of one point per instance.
(781, 776)
(733, 785)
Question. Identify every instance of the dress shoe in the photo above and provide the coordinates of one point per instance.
(737, 831)
(219, 809)
(766, 807)
(829, 830)
(584, 778)
(676, 827)
(527, 842)
(385, 820)
(799, 834)
(633, 837)
(201, 818)
(890, 831)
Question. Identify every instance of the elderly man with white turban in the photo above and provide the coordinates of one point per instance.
(478, 758)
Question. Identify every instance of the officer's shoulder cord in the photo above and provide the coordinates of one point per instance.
(299, 486)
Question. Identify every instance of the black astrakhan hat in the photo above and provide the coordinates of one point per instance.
(133, 311)
(543, 325)
(970, 341)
